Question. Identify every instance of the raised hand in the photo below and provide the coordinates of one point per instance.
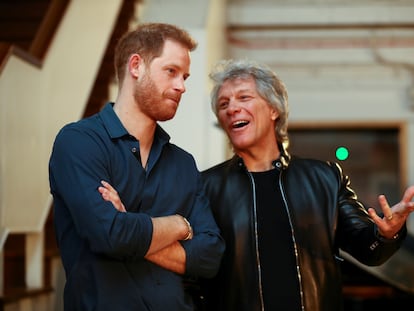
(395, 216)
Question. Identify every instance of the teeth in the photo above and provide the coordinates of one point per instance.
(239, 123)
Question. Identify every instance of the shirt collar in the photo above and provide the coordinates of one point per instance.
(111, 121)
(116, 130)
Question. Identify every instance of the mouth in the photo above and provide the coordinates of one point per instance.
(175, 100)
(239, 124)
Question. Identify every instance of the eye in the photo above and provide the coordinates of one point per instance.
(245, 97)
(172, 71)
(222, 104)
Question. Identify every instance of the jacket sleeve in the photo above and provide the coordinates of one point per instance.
(357, 233)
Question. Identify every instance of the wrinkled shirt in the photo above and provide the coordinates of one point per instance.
(103, 249)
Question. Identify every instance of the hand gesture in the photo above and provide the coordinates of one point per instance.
(395, 216)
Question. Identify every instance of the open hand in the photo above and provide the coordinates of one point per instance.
(395, 216)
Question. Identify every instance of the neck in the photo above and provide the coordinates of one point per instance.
(138, 125)
(260, 161)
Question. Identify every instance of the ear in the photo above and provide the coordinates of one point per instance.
(134, 64)
(274, 114)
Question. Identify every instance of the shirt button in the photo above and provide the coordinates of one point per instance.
(134, 150)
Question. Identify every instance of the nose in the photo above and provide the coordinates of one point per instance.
(179, 85)
(233, 107)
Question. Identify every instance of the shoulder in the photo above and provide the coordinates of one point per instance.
(162, 138)
(219, 168)
(312, 163)
(181, 159)
(180, 152)
(229, 171)
(87, 125)
(85, 134)
(314, 166)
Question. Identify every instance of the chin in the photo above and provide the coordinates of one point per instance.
(166, 117)
(239, 146)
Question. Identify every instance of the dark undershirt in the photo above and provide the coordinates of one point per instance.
(278, 264)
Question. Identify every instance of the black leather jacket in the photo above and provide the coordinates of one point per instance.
(325, 215)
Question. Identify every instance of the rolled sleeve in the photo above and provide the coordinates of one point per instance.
(205, 250)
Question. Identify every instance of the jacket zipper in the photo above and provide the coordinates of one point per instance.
(256, 238)
(293, 241)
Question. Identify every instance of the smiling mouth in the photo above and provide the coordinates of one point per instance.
(239, 124)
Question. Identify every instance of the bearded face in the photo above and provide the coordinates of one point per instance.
(160, 84)
(156, 104)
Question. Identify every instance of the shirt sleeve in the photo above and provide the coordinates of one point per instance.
(77, 165)
(205, 250)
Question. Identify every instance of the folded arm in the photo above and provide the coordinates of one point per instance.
(164, 250)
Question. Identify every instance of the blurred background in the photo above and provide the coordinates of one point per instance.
(348, 66)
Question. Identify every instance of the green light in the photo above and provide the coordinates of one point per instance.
(342, 153)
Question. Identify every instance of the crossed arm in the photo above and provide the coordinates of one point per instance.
(165, 249)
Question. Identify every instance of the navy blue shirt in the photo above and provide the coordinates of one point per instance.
(102, 249)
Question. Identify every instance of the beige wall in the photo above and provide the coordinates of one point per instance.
(34, 104)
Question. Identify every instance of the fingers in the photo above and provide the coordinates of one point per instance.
(105, 190)
(108, 186)
(373, 213)
(385, 207)
(406, 205)
(395, 216)
(403, 208)
(408, 195)
(110, 194)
